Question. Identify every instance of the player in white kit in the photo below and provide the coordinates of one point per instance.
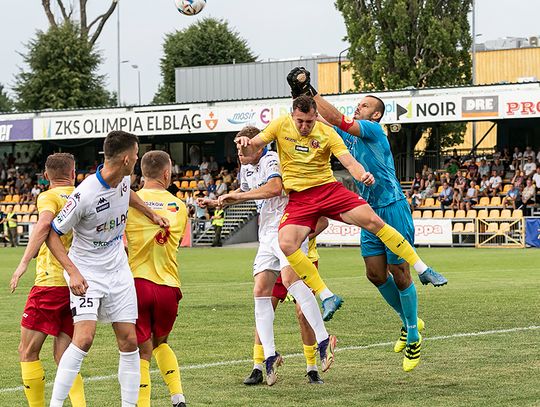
(260, 179)
(97, 269)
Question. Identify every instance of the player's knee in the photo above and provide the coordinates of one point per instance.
(28, 352)
(83, 341)
(375, 277)
(287, 246)
(127, 343)
(261, 291)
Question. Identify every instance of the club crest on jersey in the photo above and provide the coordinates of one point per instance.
(172, 206)
(162, 236)
(102, 205)
(315, 143)
(302, 149)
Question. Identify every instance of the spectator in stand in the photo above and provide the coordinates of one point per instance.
(536, 177)
(429, 188)
(530, 166)
(494, 184)
(512, 197)
(230, 164)
(484, 168)
(446, 177)
(528, 195)
(426, 171)
(472, 169)
(519, 178)
(417, 183)
(455, 156)
(528, 153)
(538, 157)
(175, 170)
(446, 196)
(35, 192)
(213, 166)
(206, 176)
(201, 213)
(204, 164)
(506, 157)
(471, 197)
(453, 167)
(416, 198)
(221, 189)
(211, 189)
(457, 199)
(499, 167)
(460, 183)
(516, 159)
(190, 201)
(226, 177)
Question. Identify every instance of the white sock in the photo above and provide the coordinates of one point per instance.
(326, 293)
(178, 398)
(264, 321)
(258, 367)
(68, 368)
(303, 296)
(309, 368)
(420, 266)
(129, 376)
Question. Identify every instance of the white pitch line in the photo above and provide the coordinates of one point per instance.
(293, 355)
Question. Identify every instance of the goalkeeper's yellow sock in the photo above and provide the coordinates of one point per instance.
(400, 246)
(307, 271)
(310, 352)
(258, 355)
(168, 366)
(76, 394)
(33, 377)
(145, 387)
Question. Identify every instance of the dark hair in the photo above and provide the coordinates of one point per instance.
(248, 131)
(304, 103)
(380, 106)
(58, 164)
(118, 142)
(153, 163)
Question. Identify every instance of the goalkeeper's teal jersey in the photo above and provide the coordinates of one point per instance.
(372, 150)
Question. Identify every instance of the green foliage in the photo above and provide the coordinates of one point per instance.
(62, 72)
(401, 43)
(6, 104)
(207, 42)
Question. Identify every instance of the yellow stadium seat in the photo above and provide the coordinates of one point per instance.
(33, 218)
(17, 208)
(495, 201)
(184, 184)
(3, 208)
(417, 215)
(438, 214)
(482, 214)
(493, 227)
(193, 184)
(458, 227)
(429, 202)
(80, 177)
(16, 198)
(471, 213)
(449, 213)
(189, 173)
(180, 195)
(460, 214)
(494, 214)
(517, 213)
(427, 214)
(8, 198)
(24, 208)
(504, 227)
(469, 228)
(439, 190)
(506, 213)
(196, 173)
(484, 201)
(177, 183)
(507, 188)
(31, 208)
(20, 230)
(26, 218)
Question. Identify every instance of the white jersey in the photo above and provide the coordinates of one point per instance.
(97, 214)
(270, 210)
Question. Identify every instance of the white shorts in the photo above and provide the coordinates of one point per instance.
(270, 257)
(110, 297)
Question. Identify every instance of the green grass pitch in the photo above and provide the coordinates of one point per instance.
(481, 348)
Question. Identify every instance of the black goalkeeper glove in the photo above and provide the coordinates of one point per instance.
(300, 82)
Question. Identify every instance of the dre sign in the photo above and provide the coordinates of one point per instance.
(474, 106)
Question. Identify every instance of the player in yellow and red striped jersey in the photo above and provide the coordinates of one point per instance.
(47, 310)
(152, 259)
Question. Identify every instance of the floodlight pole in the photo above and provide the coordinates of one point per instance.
(118, 95)
(473, 60)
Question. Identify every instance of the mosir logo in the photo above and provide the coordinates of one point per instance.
(428, 230)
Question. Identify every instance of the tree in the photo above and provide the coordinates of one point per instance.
(401, 43)
(6, 104)
(62, 72)
(207, 42)
(85, 28)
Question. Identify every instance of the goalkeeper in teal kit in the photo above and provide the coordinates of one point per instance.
(368, 143)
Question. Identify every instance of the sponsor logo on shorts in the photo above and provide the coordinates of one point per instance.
(102, 205)
(25, 315)
(303, 149)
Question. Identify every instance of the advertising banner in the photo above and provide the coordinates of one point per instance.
(339, 233)
(433, 232)
(532, 232)
(16, 130)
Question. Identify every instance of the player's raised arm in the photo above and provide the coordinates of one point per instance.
(272, 188)
(137, 203)
(37, 238)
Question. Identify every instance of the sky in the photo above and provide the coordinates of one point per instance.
(273, 29)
